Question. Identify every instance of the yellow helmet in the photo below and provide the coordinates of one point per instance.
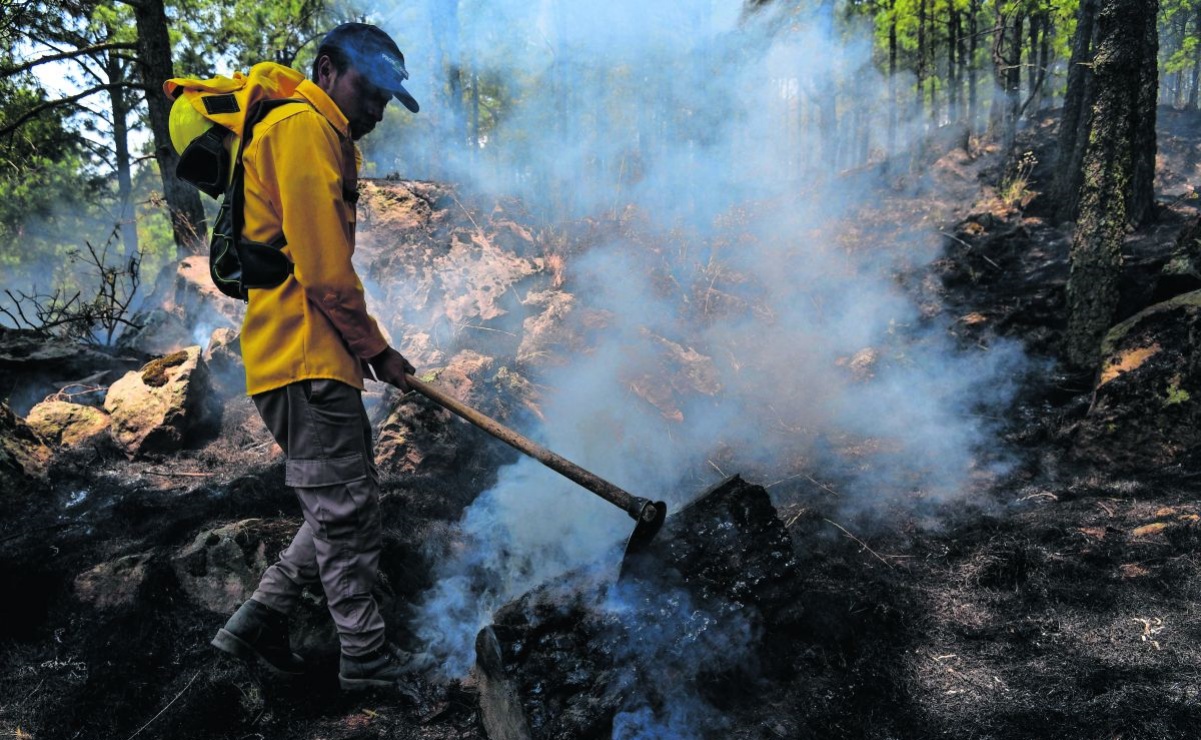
(186, 124)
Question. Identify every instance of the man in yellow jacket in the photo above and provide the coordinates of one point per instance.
(307, 344)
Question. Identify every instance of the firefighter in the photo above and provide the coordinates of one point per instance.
(308, 344)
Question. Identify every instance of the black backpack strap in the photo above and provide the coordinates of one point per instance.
(235, 265)
(257, 113)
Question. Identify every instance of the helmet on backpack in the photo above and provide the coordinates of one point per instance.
(208, 121)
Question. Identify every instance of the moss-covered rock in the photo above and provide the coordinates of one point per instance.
(24, 457)
(69, 424)
(162, 407)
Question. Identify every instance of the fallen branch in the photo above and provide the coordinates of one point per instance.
(182, 474)
(972, 249)
(808, 477)
(62, 395)
(181, 692)
(468, 214)
(488, 328)
(862, 544)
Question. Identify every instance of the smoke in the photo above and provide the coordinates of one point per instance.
(674, 645)
(744, 330)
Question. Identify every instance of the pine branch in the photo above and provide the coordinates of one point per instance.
(52, 104)
(10, 71)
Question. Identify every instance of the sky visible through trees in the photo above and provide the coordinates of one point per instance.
(494, 78)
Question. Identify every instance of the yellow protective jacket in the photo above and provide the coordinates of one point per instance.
(301, 175)
(301, 179)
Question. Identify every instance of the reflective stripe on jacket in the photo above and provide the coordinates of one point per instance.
(300, 168)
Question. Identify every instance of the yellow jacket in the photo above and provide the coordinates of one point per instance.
(301, 176)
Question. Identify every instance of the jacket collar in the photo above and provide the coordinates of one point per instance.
(324, 105)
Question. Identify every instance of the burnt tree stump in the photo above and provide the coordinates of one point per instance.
(684, 631)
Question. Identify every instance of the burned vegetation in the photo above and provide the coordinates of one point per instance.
(142, 497)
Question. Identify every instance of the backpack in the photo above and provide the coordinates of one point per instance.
(211, 123)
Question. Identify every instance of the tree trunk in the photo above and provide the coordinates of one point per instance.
(919, 101)
(831, 135)
(1181, 34)
(1077, 103)
(954, 65)
(1193, 94)
(1033, 80)
(1044, 58)
(1040, 28)
(445, 25)
(475, 113)
(1115, 168)
(120, 110)
(996, 106)
(1013, 85)
(932, 70)
(892, 79)
(1140, 203)
(973, 101)
(154, 62)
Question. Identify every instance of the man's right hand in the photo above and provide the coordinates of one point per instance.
(390, 367)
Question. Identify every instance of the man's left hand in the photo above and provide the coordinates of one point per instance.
(391, 367)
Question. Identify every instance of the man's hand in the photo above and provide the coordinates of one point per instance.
(390, 367)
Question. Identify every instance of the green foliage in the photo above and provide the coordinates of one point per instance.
(221, 36)
(46, 190)
(1176, 395)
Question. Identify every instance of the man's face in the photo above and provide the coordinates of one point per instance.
(359, 100)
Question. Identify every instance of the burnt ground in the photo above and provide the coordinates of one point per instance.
(1060, 604)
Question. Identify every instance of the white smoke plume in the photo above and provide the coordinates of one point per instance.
(719, 118)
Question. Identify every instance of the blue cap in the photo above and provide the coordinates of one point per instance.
(374, 54)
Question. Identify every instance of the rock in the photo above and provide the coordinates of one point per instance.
(69, 424)
(1182, 273)
(24, 457)
(33, 366)
(714, 594)
(1147, 403)
(420, 436)
(162, 407)
(223, 356)
(221, 567)
(115, 583)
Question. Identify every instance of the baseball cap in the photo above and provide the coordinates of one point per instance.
(373, 53)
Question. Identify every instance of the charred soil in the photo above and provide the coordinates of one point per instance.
(1060, 603)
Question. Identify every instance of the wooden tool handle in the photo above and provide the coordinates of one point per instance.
(636, 507)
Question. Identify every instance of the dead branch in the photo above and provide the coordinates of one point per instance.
(77, 318)
(164, 709)
(862, 544)
(181, 474)
(62, 395)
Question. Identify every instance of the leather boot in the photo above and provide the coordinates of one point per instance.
(387, 667)
(257, 631)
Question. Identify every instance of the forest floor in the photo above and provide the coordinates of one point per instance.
(1062, 603)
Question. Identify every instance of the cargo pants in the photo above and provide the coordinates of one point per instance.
(323, 429)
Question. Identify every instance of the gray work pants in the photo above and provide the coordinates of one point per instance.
(323, 429)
